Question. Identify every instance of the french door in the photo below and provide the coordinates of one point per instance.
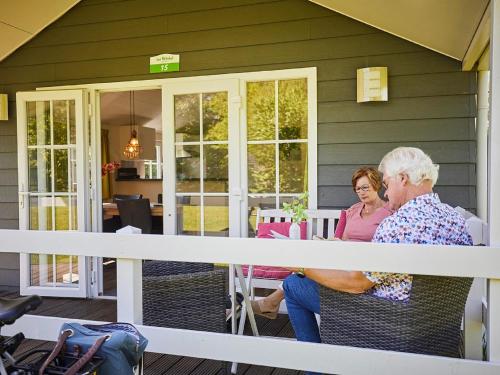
(235, 146)
(53, 185)
(201, 158)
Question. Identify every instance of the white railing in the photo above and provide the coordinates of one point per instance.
(130, 249)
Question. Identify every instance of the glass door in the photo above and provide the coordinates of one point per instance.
(277, 139)
(52, 165)
(201, 158)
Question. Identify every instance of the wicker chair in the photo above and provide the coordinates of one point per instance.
(184, 295)
(429, 323)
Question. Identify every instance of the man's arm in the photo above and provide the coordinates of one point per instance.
(344, 281)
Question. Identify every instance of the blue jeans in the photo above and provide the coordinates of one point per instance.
(302, 301)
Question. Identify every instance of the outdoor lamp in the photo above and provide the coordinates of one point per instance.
(4, 107)
(372, 84)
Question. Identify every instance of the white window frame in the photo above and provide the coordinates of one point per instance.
(309, 73)
(312, 141)
(79, 96)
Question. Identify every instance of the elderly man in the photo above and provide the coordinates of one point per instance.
(420, 218)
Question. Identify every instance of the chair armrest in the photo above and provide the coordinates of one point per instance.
(360, 320)
(427, 323)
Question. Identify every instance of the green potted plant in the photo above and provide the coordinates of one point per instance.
(297, 208)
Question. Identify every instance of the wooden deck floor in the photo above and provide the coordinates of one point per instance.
(155, 364)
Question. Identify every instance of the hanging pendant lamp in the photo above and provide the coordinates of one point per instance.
(132, 149)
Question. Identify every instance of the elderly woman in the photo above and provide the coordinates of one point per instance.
(419, 218)
(362, 219)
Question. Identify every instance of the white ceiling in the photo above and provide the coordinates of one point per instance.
(115, 108)
(21, 20)
(445, 26)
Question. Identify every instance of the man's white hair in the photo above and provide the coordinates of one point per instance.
(411, 161)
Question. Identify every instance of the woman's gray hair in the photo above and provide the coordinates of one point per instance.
(411, 161)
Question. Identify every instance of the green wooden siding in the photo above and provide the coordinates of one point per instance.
(431, 102)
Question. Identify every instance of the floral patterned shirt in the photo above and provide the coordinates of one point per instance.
(422, 220)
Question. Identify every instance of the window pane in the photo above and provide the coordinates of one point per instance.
(215, 116)
(74, 269)
(72, 123)
(60, 113)
(188, 216)
(74, 212)
(72, 166)
(216, 216)
(261, 169)
(62, 213)
(260, 111)
(286, 199)
(293, 167)
(254, 204)
(41, 270)
(40, 213)
(38, 118)
(187, 169)
(187, 118)
(67, 270)
(215, 169)
(61, 170)
(39, 170)
(62, 268)
(292, 109)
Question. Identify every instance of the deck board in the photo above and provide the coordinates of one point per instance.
(154, 363)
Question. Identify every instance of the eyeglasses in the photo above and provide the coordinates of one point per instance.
(363, 188)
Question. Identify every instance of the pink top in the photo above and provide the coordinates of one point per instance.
(362, 229)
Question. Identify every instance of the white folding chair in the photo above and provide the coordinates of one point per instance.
(320, 222)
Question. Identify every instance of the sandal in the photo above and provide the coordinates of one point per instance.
(266, 314)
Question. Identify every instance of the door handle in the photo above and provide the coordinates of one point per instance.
(22, 195)
(237, 193)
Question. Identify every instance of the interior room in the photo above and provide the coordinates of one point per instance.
(131, 146)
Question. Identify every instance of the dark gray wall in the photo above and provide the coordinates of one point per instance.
(431, 102)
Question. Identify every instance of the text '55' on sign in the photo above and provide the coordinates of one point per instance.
(164, 63)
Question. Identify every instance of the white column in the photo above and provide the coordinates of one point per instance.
(483, 106)
(473, 308)
(129, 285)
(129, 290)
(494, 181)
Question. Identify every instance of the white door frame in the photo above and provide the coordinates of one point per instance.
(312, 142)
(95, 89)
(169, 90)
(95, 179)
(80, 98)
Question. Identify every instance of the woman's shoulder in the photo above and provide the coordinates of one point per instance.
(355, 208)
(385, 210)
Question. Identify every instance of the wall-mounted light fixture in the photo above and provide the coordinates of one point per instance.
(4, 107)
(372, 84)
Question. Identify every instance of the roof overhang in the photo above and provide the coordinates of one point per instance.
(459, 29)
(22, 20)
